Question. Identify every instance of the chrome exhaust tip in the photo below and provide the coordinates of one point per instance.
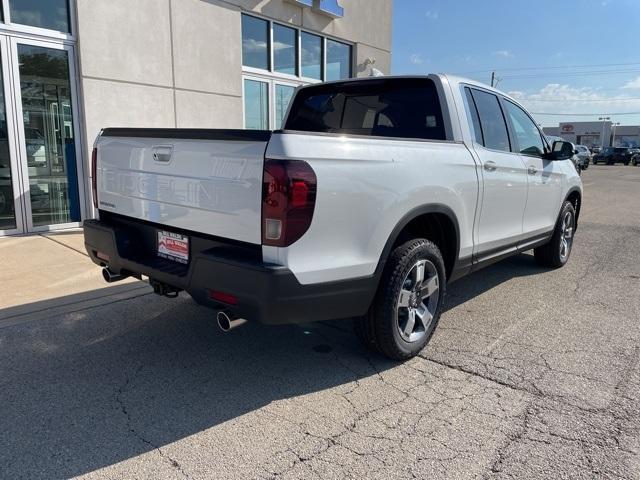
(111, 277)
(227, 322)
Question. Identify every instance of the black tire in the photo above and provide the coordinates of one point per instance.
(380, 329)
(550, 254)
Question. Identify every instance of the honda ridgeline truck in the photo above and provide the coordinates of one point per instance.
(374, 196)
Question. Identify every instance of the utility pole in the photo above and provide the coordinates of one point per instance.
(613, 141)
(604, 119)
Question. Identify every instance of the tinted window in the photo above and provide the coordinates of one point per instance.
(256, 105)
(255, 42)
(475, 120)
(311, 55)
(527, 133)
(285, 49)
(338, 60)
(51, 14)
(494, 128)
(404, 108)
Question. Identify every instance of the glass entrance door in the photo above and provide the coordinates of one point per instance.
(44, 87)
(39, 150)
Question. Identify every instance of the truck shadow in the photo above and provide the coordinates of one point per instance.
(97, 386)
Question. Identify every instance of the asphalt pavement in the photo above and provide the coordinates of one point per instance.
(532, 373)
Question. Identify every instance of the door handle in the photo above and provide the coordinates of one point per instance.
(532, 170)
(162, 153)
(490, 166)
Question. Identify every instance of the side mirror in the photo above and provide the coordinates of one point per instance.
(561, 151)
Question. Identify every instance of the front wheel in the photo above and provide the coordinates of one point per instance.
(408, 304)
(556, 253)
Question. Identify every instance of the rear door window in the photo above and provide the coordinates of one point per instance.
(402, 108)
(492, 122)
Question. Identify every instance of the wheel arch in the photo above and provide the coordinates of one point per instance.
(574, 195)
(419, 221)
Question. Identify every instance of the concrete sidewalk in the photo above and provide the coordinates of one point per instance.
(42, 272)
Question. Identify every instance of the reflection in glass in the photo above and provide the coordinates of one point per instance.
(256, 105)
(311, 56)
(51, 14)
(284, 49)
(49, 136)
(283, 97)
(7, 207)
(338, 60)
(255, 42)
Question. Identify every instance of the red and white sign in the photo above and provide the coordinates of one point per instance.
(173, 246)
(567, 128)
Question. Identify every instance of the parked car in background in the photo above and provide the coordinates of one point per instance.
(611, 155)
(635, 156)
(595, 149)
(584, 156)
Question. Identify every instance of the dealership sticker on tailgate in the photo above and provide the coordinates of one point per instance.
(173, 246)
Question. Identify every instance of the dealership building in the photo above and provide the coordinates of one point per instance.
(602, 133)
(72, 67)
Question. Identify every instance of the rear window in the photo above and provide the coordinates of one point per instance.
(620, 150)
(403, 108)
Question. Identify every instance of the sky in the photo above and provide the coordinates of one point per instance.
(558, 57)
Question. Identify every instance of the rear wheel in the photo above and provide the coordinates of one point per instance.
(408, 304)
(556, 253)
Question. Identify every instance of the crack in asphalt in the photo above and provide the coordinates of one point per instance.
(125, 411)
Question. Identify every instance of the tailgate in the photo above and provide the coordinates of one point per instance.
(206, 181)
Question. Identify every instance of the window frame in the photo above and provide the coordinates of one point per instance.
(40, 33)
(504, 118)
(271, 83)
(297, 78)
(269, 99)
(272, 53)
(326, 51)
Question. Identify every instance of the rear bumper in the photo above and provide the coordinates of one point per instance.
(267, 293)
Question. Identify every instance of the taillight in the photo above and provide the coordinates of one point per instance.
(288, 201)
(94, 179)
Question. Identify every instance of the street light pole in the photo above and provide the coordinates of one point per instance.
(614, 133)
(603, 119)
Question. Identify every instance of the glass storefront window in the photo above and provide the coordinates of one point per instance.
(338, 60)
(284, 93)
(51, 14)
(311, 55)
(255, 42)
(48, 133)
(256, 105)
(285, 49)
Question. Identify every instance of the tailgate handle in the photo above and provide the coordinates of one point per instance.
(162, 153)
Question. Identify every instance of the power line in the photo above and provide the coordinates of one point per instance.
(584, 114)
(555, 67)
(584, 73)
(579, 100)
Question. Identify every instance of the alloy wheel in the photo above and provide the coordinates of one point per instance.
(418, 301)
(567, 235)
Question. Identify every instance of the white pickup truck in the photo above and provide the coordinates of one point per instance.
(376, 194)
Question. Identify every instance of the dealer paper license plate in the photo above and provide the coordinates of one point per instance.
(173, 246)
